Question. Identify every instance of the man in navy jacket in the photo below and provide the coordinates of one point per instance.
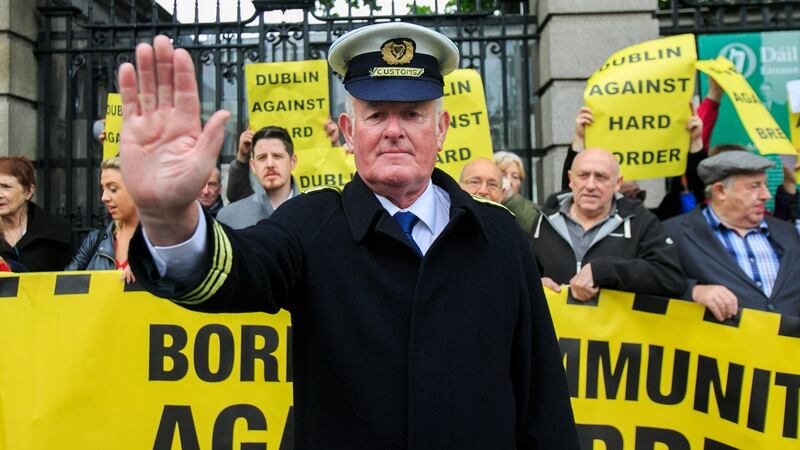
(735, 256)
(418, 317)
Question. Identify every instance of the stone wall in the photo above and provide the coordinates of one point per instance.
(18, 78)
(576, 37)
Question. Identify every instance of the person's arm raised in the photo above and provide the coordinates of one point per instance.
(167, 156)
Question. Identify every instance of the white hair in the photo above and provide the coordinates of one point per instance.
(349, 109)
(504, 159)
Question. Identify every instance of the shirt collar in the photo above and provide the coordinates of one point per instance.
(716, 224)
(424, 207)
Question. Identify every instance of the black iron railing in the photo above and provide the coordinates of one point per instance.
(82, 44)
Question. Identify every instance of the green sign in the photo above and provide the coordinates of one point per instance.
(767, 61)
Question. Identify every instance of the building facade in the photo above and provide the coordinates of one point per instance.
(58, 61)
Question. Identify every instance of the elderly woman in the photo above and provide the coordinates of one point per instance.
(107, 249)
(513, 174)
(36, 239)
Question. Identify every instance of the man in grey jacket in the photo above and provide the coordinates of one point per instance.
(272, 161)
(592, 237)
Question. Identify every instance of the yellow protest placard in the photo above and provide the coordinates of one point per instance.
(293, 95)
(794, 129)
(647, 372)
(86, 365)
(469, 136)
(323, 167)
(765, 133)
(640, 100)
(113, 125)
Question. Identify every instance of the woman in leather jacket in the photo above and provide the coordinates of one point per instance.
(107, 249)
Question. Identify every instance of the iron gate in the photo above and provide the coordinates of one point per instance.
(727, 16)
(82, 44)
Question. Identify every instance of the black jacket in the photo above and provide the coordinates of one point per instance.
(706, 261)
(393, 351)
(239, 185)
(215, 208)
(46, 245)
(632, 253)
(96, 252)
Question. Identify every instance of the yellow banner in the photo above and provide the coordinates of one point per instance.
(644, 369)
(293, 95)
(794, 127)
(468, 136)
(323, 167)
(765, 133)
(86, 365)
(113, 125)
(640, 100)
(794, 133)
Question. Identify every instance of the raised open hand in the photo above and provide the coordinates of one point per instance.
(167, 156)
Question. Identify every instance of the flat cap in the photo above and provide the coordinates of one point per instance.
(394, 61)
(734, 162)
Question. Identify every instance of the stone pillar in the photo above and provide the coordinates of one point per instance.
(18, 78)
(576, 37)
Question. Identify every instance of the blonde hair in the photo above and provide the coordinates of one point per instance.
(112, 163)
(504, 159)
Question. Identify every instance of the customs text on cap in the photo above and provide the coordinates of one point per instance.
(394, 61)
(724, 164)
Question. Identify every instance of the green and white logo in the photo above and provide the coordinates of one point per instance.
(742, 56)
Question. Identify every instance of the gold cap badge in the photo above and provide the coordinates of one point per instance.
(397, 51)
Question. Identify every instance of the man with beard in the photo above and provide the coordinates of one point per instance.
(272, 161)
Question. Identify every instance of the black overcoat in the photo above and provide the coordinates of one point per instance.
(455, 350)
(46, 246)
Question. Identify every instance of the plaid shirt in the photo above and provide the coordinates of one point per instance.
(754, 253)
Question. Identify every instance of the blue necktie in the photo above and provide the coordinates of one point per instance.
(407, 220)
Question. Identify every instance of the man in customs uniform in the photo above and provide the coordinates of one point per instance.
(418, 316)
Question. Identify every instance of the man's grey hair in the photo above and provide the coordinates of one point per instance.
(350, 109)
(727, 182)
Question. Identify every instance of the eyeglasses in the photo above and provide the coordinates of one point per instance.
(477, 183)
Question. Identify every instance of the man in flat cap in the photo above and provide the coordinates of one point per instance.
(733, 255)
(417, 314)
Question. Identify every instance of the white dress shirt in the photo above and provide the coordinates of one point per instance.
(433, 210)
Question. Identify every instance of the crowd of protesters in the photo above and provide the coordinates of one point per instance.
(594, 234)
(710, 240)
(718, 245)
